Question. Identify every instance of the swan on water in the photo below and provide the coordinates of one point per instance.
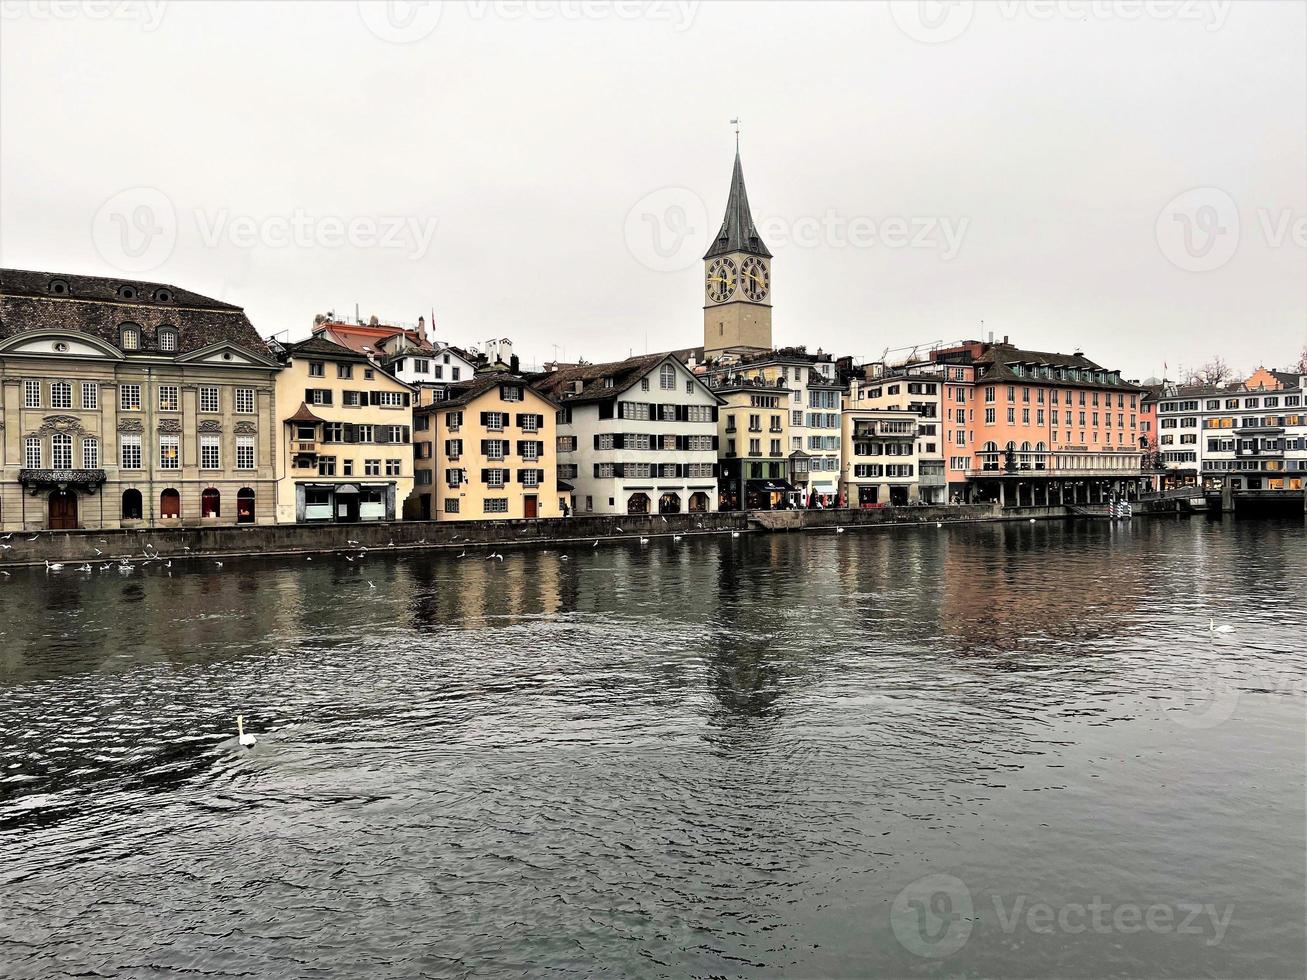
(939, 523)
(1214, 627)
(839, 530)
(53, 567)
(245, 738)
(735, 534)
(676, 537)
(644, 540)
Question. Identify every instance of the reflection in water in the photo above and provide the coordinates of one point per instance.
(720, 757)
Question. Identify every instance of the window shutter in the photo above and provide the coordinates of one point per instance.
(619, 440)
(619, 469)
(447, 452)
(521, 476)
(540, 421)
(485, 420)
(681, 444)
(374, 398)
(714, 413)
(596, 471)
(605, 410)
(540, 449)
(540, 478)
(485, 447)
(308, 396)
(596, 440)
(407, 433)
(351, 432)
(383, 433)
(714, 443)
(406, 399)
(485, 476)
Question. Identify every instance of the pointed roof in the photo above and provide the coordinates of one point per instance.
(738, 232)
(303, 414)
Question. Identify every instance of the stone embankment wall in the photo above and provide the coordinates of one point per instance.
(291, 539)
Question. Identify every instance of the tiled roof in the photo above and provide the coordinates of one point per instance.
(463, 392)
(738, 232)
(624, 374)
(320, 346)
(303, 414)
(999, 358)
(97, 305)
(363, 337)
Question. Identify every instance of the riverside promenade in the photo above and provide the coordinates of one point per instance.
(214, 541)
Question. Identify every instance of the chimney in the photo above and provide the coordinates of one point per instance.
(422, 328)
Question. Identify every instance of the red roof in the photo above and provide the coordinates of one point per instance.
(364, 338)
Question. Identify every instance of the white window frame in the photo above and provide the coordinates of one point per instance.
(61, 395)
(90, 453)
(205, 392)
(129, 398)
(31, 394)
(245, 453)
(32, 455)
(90, 395)
(245, 401)
(129, 452)
(211, 445)
(170, 442)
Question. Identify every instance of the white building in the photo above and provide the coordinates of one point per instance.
(635, 437)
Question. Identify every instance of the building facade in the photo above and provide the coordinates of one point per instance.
(636, 437)
(487, 452)
(1039, 427)
(753, 441)
(130, 404)
(880, 456)
(737, 310)
(345, 436)
(918, 390)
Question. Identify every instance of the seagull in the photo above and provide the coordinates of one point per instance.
(7, 536)
(596, 544)
(939, 523)
(664, 520)
(1213, 627)
(699, 525)
(33, 537)
(390, 544)
(186, 547)
(564, 557)
(349, 559)
(676, 537)
(105, 567)
(98, 551)
(351, 542)
(619, 531)
(245, 738)
(218, 563)
(463, 553)
(53, 568)
(6, 547)
(168, 563)
(371, 586)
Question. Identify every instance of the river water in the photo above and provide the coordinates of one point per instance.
(987, 750)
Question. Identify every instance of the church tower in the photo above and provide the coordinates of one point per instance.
(737, 280)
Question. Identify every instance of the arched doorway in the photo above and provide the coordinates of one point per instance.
(170, 504)
(698, 503)
(637, 503)
(133, 505)
(210, 503)
(63, 510)
(669, 503)
(244, 506)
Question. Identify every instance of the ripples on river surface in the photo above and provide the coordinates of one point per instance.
(723, 757)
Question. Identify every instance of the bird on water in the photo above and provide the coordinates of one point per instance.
(245, 738)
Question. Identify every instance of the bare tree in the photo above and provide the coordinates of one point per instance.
(1302, 361)
(1214, 372)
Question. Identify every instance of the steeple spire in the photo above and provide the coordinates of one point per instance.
(738, 232)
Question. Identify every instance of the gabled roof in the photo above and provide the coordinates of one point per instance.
(622, 374)
(320, 346)
(463, 392)
(362, 337)
(97, 305)
(999, 357)
(738, 232)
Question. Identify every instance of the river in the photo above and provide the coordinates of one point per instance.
(984, 750)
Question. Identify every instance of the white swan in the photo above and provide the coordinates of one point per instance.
(57, 566)
(245, 738)
(839, 530)
(1214, 627)
(644, 540)
(735, 534)
(676, 537)
(939, 523)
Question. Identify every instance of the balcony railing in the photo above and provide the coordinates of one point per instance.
(35, 480)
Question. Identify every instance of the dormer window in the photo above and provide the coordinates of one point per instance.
(127, 292)
(163, 295)
(58, 287)
(130, 336)
(167, 339)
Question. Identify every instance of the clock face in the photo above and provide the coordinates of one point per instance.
(721, 280)
(754, 279)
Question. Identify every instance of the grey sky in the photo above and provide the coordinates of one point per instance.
(1034, 152)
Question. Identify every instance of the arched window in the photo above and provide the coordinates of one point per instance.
(130, 336)
(170, 504)
(667, 378)
(133, 505)
(244, 506)
(637, 503)
(127, 292)
(167, 339)
(61, 451)
(698, 502)
(58, 287)
(162, 295)
(210, 503)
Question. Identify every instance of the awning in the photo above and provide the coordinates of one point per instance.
(771, 486)
(824, 487)
(564, 485)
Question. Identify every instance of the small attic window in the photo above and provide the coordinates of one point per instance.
(167, 339)
(127, 292)
(163, 295)
(130, 335)
(58, 287)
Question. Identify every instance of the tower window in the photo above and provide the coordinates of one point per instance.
(127, 292)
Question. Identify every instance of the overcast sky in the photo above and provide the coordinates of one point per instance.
(1123, 177)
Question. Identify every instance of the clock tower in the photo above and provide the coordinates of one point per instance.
(737, 280)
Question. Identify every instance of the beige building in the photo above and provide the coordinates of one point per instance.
(487, 452)
(345, 437)
(752, 444)
(130, 404)
(880, 456)
(918, 389)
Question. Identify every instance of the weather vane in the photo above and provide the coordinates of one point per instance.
(736, 123)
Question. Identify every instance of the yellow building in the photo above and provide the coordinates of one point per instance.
(487, 452)
(346, 451)
(752, 444)
(130, 404)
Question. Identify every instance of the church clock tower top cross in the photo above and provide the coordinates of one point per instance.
(737, 308)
